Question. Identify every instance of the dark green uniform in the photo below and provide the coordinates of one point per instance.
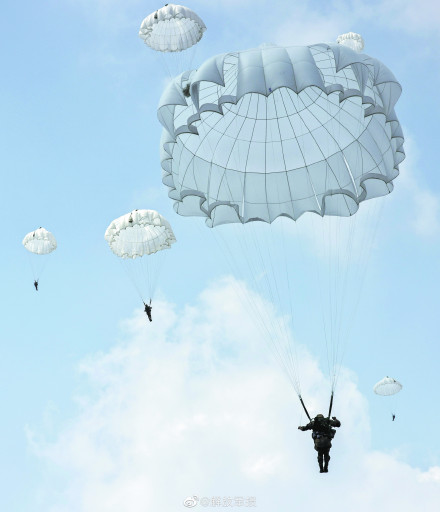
(147, 310)
(322, 434)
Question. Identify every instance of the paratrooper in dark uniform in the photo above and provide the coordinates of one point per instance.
(147, 310)
(322, 434)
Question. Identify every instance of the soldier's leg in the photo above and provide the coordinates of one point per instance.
(326, 459)
(321, 460)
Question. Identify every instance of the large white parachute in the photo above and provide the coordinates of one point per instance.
(254, 139)
(280, 131)
(136, 237)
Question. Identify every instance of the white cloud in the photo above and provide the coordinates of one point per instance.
(432, 475)
(426, 222)
(192, 404)
(425, 205)
(418, 17)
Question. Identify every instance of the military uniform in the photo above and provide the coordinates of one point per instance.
(147, 310)
(322, 435)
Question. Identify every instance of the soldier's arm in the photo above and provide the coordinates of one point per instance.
(334, 422)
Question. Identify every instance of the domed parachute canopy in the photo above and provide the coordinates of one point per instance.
(387, 387)
(40, 241)
(139, 239)
(256, 138)
(278, 131)
(352, 40)
(173, 28)
(139, 233)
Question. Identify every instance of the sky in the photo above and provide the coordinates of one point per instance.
(102, 412)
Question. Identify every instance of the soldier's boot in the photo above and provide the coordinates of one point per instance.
(326, 461)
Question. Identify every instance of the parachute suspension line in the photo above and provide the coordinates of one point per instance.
(331, 405)
(148, 267)
(304, 407)
(366, 246)
(260, 315)
(164, 60)
(261, 272)
(128, 269)
(327, 338)
(31, 264)
(279, 324)
(291, 345)
(255, 307)
(38, 266)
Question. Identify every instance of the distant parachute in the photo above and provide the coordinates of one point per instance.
(388, 387)
(138, 238)
(40, 243)
(352, 40)
(173, 30)
(255, 139)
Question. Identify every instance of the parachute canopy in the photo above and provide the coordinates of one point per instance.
(387, 387)
(352, 40)
(280, 131)
(139, 233)
(172, 28)
(40, 241)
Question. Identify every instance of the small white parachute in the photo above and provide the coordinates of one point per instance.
(387, 387)
(139, 233)
(40, 241)
(352, 40)
(172, 28)
(138, 239)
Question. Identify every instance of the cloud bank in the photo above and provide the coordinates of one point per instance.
(193, 405)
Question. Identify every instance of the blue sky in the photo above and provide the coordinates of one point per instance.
(79, 147)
